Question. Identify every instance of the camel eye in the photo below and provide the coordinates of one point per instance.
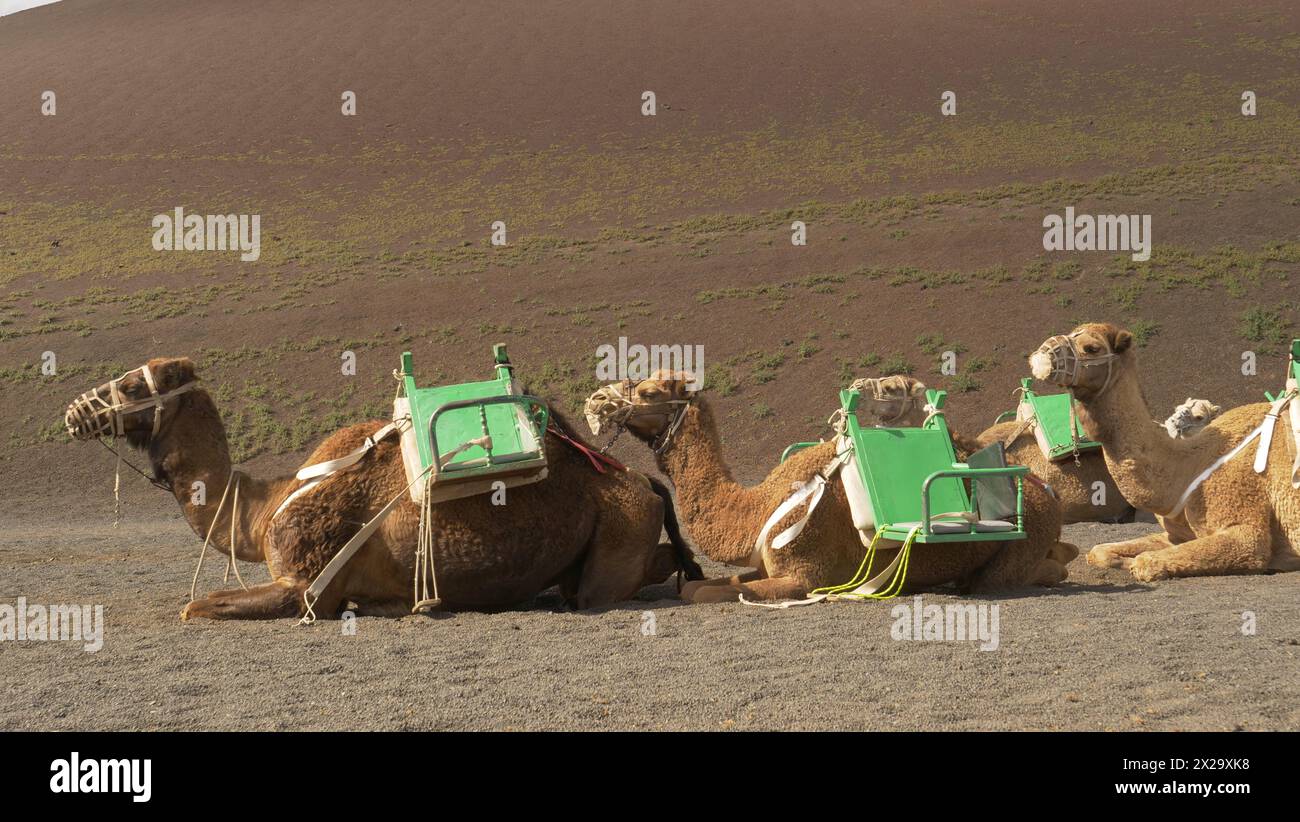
(1197, 417)
(1090, 349)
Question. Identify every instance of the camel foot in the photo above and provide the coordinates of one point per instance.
(1049, 572)
(1063, 552)
(272, 600)
(1149, 567)
(1103, 556)
(709, 590)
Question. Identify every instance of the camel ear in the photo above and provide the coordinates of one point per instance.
(1123, 341)
(1214, 410)
(177, 372)
(916, 388)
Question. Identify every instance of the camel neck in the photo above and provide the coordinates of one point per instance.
(1150, 468)
(193, 455)
(719, 513)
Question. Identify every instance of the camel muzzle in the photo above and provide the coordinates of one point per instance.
(1058, 360)
(91, 415)
(88, 416)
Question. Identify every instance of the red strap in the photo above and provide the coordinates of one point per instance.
(1041, 483)
(595, 456)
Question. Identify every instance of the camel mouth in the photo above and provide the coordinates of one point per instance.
(606, 406)
(1040, 365)
(87, 417)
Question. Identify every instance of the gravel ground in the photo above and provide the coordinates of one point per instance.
(1099, 652)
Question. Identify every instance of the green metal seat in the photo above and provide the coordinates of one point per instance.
(1053, 420)
(917, 489)
(476, 429)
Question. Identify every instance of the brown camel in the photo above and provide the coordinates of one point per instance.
(725, 518)
(595, 535)
(1236, 521)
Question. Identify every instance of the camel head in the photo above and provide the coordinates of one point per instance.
(651, 409)
(1085, 360)
(895, 400)
(135, 405)
(1190, 417)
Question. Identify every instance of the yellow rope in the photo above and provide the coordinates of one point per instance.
(891, 590)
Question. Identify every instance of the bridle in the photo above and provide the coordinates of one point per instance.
(876, 385)
(611, 404)
(90, 415)
(1067, 361)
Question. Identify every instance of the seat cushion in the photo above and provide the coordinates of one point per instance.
(986, 526)
(938, 526)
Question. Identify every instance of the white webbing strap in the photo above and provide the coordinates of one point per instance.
(1266, 430)
(314, 474)
(321, 469)
(785, 603)
(1214, 466)
(1295, 436)
(331, 569)
(811, 492)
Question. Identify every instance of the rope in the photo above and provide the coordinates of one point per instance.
(117, 491)
(194, 583)
(117, 479)
(426, 575)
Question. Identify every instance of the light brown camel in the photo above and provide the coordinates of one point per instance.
(1189, 418)
(724, 518)
(1236, 521)
(595, 535)
(900, 400)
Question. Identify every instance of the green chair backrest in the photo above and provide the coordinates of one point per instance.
(895, 462)
(515, 437)
(1053, 414)
(996, 496)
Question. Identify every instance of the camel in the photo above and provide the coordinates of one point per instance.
(595, 535)
(899, 400)
(724, 518)
(1236, 521)
(1189, 418)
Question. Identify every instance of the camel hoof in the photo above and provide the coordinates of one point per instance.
(1063, 552)
(1147, 568)
(1101, 557)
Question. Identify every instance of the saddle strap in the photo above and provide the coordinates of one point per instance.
(1270, 422)
(331, 569)
(321, 469)
(593, 455)
(811, 492)
(1214, 466)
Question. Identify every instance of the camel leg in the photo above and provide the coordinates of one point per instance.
(1063, 552)
(1120, 554)
(1049, 572)
(771, 588)
(1241, 549)
(272, 600)
(621, 559)
(1015, 565)
(691, 590)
